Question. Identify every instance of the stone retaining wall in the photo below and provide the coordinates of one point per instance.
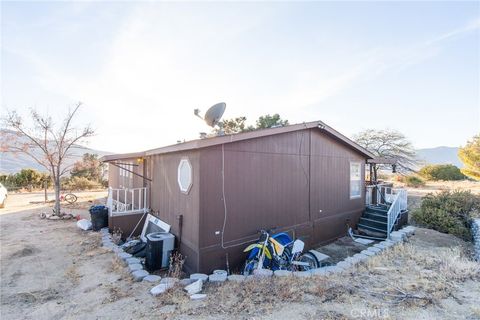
(195, 283)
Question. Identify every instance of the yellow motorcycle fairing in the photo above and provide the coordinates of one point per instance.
(260, 247)
(277, 246)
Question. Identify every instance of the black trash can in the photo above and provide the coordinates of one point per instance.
(99, 217)
(154, 251)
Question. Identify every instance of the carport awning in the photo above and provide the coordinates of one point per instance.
(381, 161)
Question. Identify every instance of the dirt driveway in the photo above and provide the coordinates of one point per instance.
(53, 270)
(29, 200)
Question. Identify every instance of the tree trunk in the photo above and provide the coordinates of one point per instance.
(45, 185)
(57, 196)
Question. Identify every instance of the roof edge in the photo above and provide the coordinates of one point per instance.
(346, 140)
(119, 156)
(203, 143)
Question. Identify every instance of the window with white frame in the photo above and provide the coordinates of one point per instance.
(126, 175)
(355, 180)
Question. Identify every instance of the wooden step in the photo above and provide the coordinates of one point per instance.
(382, 225)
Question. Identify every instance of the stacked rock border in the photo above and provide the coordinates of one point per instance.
(194, 284)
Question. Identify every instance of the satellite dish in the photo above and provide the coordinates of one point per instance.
(214, 114)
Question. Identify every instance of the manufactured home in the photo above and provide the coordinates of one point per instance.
(218, 192)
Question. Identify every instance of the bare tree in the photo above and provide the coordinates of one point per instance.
(390, 145)
(49, 145)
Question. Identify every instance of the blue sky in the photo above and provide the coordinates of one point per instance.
(140, 68)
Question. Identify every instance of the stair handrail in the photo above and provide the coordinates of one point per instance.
(398, 205)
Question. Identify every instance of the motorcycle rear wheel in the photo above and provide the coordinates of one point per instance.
(309, 258)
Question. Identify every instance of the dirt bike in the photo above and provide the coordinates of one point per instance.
(278, 252)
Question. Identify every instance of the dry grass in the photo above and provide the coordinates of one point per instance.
(72, 274)
(405, 276)
(115, 293)
(416, 276)
(176, 297)
(116, 265)
(251, 298)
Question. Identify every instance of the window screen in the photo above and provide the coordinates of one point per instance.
(355, 180)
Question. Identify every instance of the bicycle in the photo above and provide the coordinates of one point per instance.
(70, 198)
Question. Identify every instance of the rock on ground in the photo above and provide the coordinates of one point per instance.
(152, 278)
(139, 275)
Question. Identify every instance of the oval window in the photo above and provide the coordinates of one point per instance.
(184, 175)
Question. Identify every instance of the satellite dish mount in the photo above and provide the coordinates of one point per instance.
(213, 115)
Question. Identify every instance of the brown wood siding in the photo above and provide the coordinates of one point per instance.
(266, 185)
(114, 179)
(281, 180)
(330, 203)
(113, 176)
(126, 224)
(168, 202)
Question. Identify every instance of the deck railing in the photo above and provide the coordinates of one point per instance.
(126, 201)
(398, 205)
(394, 198)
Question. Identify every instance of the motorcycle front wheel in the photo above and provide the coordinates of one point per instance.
(250, 265)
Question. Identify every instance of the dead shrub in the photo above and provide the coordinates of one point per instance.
(175, 268)
(116, 235)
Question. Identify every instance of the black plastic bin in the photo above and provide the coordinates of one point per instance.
(99, 217)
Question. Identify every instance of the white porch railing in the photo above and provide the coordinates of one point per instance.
(398, 205)
(125, 201)
(394, 198)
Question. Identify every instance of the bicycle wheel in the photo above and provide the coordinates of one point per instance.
(70, 198)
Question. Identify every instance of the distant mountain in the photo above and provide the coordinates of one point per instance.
(440, 155)
(14, 162)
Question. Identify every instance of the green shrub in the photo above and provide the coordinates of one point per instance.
(413, 181)
(80, 183)
(442, 172)
(25, 178)
(449, 212)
